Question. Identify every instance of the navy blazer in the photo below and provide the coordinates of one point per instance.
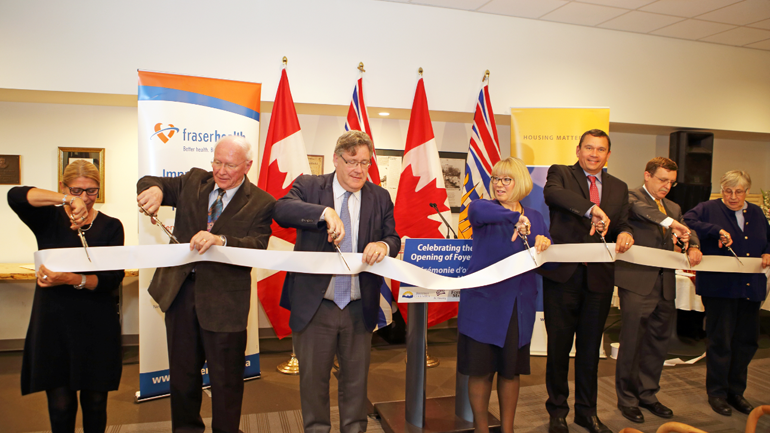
(707, 219)
(301, 208)
(566, 194)
(485, 312)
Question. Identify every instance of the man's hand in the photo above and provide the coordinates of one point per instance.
(696, 256)
(599, 221)
(150, 199)
(624, 242)
(334, 226)
(681, 231)
(522, 227)
(724, 239)
(765, 260)
(374, 252)
(203, 240)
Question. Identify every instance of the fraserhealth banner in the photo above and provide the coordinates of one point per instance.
(181, 118)
(542, 137)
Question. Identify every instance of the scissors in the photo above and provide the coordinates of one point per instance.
(599, 232)
(337, 247)
(82, 237)
(724, 240)
(524, 238)
(680, 243)
(160, 224)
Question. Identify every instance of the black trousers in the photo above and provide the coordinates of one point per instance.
(732, 329)
(189, 346)
(572, 311)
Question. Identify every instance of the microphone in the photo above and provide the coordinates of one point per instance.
(435, 206)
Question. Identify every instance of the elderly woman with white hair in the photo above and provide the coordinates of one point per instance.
(732, 300)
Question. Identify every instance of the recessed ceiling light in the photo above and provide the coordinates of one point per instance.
(384, 113)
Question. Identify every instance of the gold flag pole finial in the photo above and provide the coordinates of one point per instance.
(361, 67)
(285, 60)
(419, 71)
(486, 76)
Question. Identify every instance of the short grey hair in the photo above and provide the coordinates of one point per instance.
(734, 178)
(237, 140)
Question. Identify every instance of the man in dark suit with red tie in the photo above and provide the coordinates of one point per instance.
(584, 202)
(336, 314)
(207, 303)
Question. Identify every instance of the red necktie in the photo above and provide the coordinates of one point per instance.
(594, 191)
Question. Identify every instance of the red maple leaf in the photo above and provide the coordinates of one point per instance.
(275, 180)
(413, 209)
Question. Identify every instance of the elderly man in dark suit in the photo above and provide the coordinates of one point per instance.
(207, 303)
(647, 294)
(336, 314)
(584, 202)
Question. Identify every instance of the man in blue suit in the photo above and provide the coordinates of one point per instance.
(336, 314)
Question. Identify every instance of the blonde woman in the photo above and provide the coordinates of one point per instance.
(495, 322)
(73, 339)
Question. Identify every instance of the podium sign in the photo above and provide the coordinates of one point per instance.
(447, 257)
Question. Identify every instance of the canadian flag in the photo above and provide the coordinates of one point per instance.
(283, 160)
(420, 184)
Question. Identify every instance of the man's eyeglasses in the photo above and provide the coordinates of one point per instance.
(230, 167)
(505, 180)
(89, 191)
(670, 182)
(364, 164)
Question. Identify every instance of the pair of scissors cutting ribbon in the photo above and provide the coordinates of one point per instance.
(154, 219)
(526, 244)
(680, 243)
(599, 232)
(337, 247)
(82, 237)
(724, 240)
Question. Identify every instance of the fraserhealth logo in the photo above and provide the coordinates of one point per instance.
(161, 132)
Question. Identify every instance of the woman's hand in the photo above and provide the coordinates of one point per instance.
(522, 228)
(542, 243)
(48, 278)
(78, 212)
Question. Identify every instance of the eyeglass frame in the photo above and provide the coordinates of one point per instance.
(79, 191)
(352, 164)
(228, 167)
(494, 180)
(673, 183)
(735, 192)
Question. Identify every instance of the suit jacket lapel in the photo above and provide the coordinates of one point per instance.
(203, 203)
(367, 207)
(239, 200)
(581, 179)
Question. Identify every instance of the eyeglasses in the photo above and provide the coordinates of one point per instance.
(666, 181)
(229, 167)
(505, 180)
(364, 164)
(89, 191)
(737, 192)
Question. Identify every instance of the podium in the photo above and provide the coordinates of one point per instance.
(416, 413)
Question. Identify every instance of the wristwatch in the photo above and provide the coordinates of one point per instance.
(224, 240)
(82, 282)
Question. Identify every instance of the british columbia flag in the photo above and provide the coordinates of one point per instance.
(358, 120)
(483, 154)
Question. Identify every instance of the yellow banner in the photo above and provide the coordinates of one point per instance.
(545, 136)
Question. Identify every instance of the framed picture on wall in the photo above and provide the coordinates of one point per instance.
(389, 166)
(10, 170)
(316, 164)
(453, 167)
(95, 156)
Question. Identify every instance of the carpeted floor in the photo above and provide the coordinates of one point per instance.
(682, 389)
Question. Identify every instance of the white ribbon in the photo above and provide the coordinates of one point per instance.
(159, 256)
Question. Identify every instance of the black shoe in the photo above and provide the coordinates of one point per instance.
(720, 406)
(632, 413)
(558, 425)
(740, 404)
(658, 409)
(592, 424)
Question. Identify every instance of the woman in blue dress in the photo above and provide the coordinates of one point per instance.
(495, 322)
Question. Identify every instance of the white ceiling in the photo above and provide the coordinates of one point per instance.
(739, 23)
